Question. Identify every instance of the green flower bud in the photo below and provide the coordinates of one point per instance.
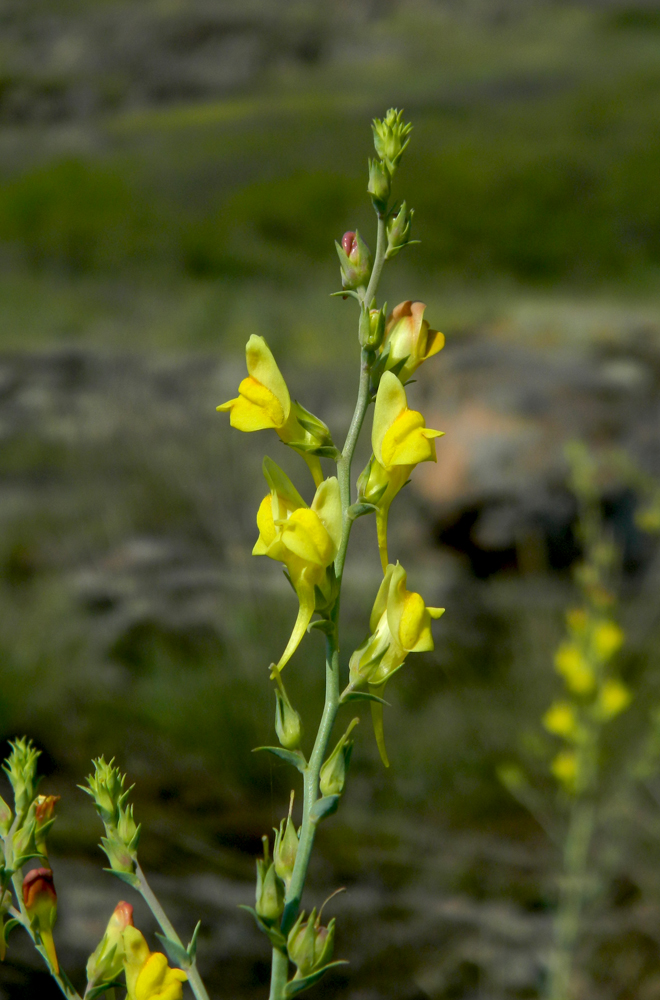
(391, 136)
(106, 787)
(21, 767)
(6, 817)
(333, 772)
(288, 724)
(120, 857)
(354, 260)
(379, 185)
(285, 849)
(270, 889)
(372, 328)
(310, 946)
(106, 962)
(398, 231)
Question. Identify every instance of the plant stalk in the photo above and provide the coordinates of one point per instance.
(147, 893)
(280, 961)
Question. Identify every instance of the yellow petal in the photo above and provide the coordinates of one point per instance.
(259, 413)
(561, 720)
(136, 953)
(306, 536)
(613, 699)
(390, 403)
(407, 441)
(327, 504)
(152, 976)
(263, 368)
(435, 341)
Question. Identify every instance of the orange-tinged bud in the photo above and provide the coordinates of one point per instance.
(40, 901)
(107, 960)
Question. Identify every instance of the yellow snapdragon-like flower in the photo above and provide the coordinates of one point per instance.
(306, 539)
(561, 720)
(264, 402)
(148, 976)
(607, 638)
(400, 441)
(575, 669)
(400, 623)
(409, 340)
(613, 698)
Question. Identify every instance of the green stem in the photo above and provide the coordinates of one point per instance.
(280, 961)
(147, 893)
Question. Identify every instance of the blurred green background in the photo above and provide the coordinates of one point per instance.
(172, 177)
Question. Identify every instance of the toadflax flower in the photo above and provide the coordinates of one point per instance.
(409, 340)
(400, 440)
(400, 623)
(148, 976)
(306, 539)
(264, 402)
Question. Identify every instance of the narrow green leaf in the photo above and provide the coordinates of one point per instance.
(126, 877)
(296, 986)
(361, 696)
(192, 947)
(275, 937)
(293, 757)
(9, 926)
(325, 806)
(361, 508)
(323, 625)
(175, 951)
(99, 991)
(345, 294)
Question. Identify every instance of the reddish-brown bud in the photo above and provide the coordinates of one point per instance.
(45, 808)
(349, 243)
(40, 901)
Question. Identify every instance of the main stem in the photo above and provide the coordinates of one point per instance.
(147, 893)
(280, 964)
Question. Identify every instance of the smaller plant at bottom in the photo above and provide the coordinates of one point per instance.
(122, 958)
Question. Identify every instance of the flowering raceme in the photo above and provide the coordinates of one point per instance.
(306, 539)
(400, 440)
(400, 623)
(264, 402)
(148, 976)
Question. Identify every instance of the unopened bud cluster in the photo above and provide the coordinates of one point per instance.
(122, 835)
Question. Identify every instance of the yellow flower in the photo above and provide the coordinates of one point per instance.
(400, 623)
(607, 639)
(613, 698)
(264, 402)
(306, 539)
(409, 341)
(148, 976)
(560, 719)
(564, 767)
(400, 440)
(577, 672)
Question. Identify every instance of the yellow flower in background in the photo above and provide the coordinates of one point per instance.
(607, 639)
(148, 976)
(613, 698)
(575, 669)
(409, 339)
(400, 623)
(264, 402)
(400, 440)
(561, 720)
(577, 620)
(565, 769)
(306, 539)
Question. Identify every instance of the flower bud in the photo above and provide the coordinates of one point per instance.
(40, 901)
(372, 328)
(288, 724)
(379, 185)
(45, 817)
(285, 849)
(120, 856)
(391, 136)
(310, 945)
(106, 787)
(270, 889)
(333, 771)
(6, 817)
(107, 960)
(398, 231)
(354, 260)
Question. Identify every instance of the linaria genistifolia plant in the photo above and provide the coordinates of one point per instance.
(593, 696)
(311, 542)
